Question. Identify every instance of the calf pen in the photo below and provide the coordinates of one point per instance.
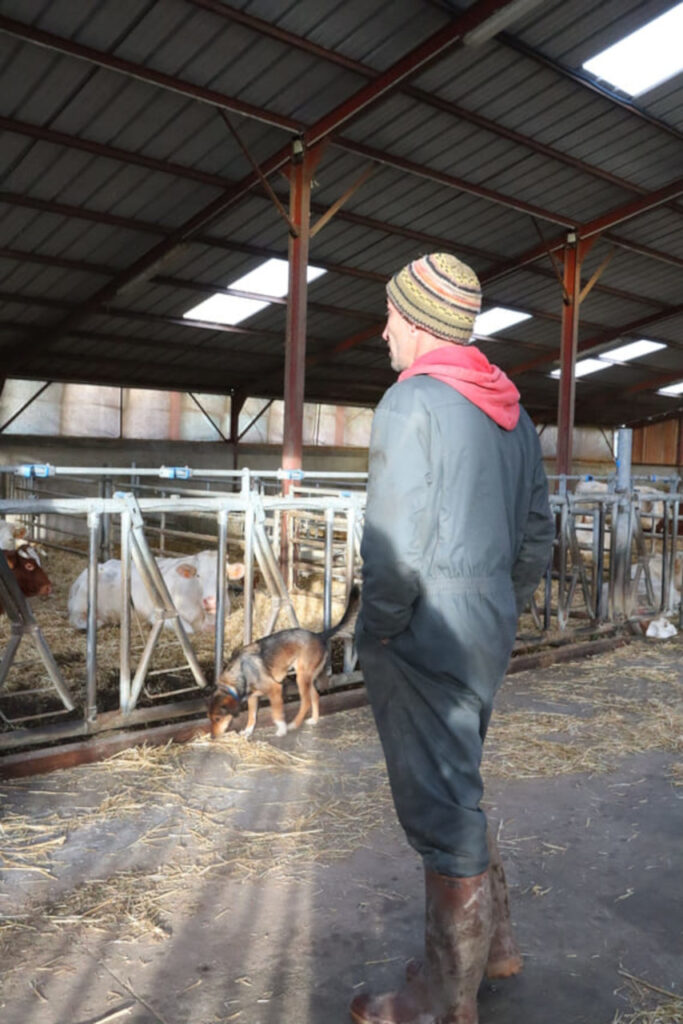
(610, 570)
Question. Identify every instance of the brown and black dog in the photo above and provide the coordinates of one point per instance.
(260, 670)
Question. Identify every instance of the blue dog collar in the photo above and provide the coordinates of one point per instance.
(231, 690)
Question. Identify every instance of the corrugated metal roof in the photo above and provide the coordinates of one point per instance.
(486, 152)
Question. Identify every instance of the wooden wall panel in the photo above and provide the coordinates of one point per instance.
(658, 444)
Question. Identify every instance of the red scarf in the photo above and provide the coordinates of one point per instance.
(468, 370)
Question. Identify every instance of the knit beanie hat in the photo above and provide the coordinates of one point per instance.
(438, 293)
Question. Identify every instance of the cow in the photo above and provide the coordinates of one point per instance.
(31, 577)
(10, 533)
(191, 581)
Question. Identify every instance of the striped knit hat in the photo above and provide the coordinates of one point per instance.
(438, 293)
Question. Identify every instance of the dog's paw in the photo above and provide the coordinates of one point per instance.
(248, 731)
(311, 721)
(292, 727)
(281, 728)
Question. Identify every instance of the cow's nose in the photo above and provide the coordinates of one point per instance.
(209, 604)
(45, 589)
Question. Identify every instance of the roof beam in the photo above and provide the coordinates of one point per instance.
(419, 58)
(265, 28)
(101, 59)
(587, 82)
(217, 181)
(661, 311)
(599, 340)
(131, 224)
(380, 85)
(212, 241)
(379, 156)
(459, 184)
(599, 225)
(246, 356)
(108, 309)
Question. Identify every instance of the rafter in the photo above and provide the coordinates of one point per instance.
(419, 58)
(218, 181)
(265, 28)
(598, 226)
(600, 340)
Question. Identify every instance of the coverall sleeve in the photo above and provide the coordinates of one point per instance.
(534, 553)
(397, 520)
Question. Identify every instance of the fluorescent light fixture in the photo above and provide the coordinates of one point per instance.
(499, 20)
(270, 279)
(584, 367)
(672, 390)
(634, 350)
(647, 57)
(497, 319)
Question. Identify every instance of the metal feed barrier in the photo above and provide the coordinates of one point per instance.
(610, 566)
(263, 524)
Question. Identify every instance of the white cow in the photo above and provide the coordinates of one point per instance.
(191, 582)
(672, 599)
(10, 533)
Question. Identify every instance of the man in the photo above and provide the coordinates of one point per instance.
(457, 535)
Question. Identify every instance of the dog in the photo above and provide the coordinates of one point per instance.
(260, 668)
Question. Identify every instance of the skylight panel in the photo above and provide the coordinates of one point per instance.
(622, 354)
(497, 319)
(672, 390)
(634, 350)
(646, 57)
(225, 309)
(270, 279)
(584, 367)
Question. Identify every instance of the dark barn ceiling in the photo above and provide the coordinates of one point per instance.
(126, 199)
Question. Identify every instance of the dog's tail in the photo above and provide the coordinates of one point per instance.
(351, 609)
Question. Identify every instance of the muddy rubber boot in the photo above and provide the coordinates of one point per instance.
(409, 1005)
(457, 938)
(504, 959)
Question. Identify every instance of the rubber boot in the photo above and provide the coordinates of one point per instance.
(458, 925)
(504, 957)
(457, 938)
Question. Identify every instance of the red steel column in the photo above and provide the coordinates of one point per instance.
(570, 334)
(300, 174)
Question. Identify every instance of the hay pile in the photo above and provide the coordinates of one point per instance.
(604, 708)
(652, 1003)
(593, 714)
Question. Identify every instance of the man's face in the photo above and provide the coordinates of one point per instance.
(401, 339)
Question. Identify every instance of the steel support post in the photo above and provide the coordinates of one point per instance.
(570, 334)
(621, 538)
(329, 559)
(300, 175)
(221, 587)
(124, 650)
(248, 568)
(91, 638)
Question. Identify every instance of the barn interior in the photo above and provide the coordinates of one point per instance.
(202, 203)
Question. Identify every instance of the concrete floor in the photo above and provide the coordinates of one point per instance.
(281, 891)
